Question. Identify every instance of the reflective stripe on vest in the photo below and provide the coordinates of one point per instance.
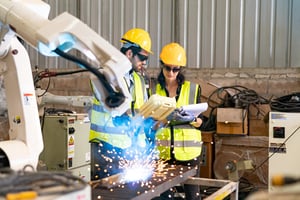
(187, 139)
(102, 128)
(184, 143)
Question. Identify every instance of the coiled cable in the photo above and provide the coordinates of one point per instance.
(287, 103)
(235, 96)
(41, 182)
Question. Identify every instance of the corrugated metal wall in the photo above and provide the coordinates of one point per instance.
(215, 33)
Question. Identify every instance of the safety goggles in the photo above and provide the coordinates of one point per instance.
(142, 57)
(174, 69)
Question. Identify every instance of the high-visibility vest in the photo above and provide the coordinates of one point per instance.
(102, 127)
(183, 141)
(139, 91)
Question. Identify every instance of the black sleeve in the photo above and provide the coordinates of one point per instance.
(198, 100)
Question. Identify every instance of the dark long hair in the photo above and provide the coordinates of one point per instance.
(161, 79)
(135, 50)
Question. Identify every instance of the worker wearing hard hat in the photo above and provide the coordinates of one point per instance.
(137, 47)
(108, 142)
(138, 42)
(180, 142)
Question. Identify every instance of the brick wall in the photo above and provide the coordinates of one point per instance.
(68, 85)
(266, 82)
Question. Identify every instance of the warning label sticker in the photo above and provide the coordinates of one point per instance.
(71, 146)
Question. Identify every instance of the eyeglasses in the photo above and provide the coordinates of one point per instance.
(142, 57)
(174, 70)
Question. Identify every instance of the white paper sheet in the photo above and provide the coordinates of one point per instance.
(195, 109)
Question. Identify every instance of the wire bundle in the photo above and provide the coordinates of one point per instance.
(287, 103)
(41, 182)
(235, 96)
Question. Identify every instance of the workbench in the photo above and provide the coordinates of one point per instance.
(153, 188)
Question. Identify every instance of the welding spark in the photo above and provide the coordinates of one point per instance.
(137, 173)
(160, 168)
(140, 168)
(139, 162)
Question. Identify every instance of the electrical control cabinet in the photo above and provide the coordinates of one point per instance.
(284, 148)
(66, 144)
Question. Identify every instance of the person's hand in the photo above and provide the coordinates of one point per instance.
(181, 116)
(123, 120)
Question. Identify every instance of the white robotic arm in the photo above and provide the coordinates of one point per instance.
(75, 101)
(44, 98)
(28, 19)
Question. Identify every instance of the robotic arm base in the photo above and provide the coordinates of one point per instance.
(15, 155)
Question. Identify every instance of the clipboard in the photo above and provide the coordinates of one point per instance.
(196, 109)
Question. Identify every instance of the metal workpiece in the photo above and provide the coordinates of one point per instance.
(151, 188)
(227, 188)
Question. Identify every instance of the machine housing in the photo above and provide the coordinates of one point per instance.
(284, 148)
(66, 144)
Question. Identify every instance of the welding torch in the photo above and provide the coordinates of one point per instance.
(280, 180)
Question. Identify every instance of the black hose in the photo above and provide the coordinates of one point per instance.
(41, 182)
(287, 103)
(114, 98)
(236, 96)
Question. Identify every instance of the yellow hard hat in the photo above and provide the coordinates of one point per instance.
(138, 36)
(173, 54)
